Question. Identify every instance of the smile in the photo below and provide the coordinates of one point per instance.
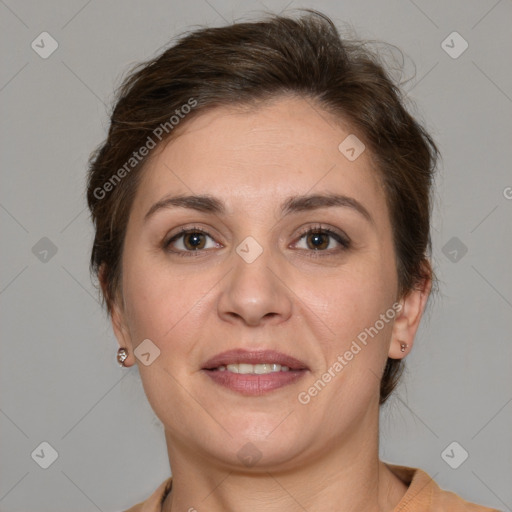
(256, 369)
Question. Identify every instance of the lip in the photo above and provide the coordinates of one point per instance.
(252, 384)
(237, 356)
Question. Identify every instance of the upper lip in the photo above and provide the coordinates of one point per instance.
(253, 357)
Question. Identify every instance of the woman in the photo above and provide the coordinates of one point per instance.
(262, 214)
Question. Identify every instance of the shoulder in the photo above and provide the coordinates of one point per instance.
(154, 502)
(424, 495)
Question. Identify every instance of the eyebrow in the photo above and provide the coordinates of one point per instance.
(294, 204)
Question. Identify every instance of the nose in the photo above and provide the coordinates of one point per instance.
(254, 293)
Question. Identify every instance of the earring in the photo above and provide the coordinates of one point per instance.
(122, 355)
(403, 346)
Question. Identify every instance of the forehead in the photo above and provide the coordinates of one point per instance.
(260, 156)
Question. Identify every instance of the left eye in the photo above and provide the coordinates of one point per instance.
(320, 239)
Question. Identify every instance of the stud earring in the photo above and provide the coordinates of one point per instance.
(403, 346)
(122, 355)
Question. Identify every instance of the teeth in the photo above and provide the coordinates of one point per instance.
(256, 369)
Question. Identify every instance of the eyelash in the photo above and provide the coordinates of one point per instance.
(342, 239)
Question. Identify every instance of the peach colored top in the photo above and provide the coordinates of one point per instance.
(423, 495)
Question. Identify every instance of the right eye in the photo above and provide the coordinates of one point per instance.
(188, 240)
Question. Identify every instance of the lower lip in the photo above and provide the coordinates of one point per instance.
(254, 385)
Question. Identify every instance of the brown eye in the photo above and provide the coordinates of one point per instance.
(319, 239)
(189, 241)
(193, 241)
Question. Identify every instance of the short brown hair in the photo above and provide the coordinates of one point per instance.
(243, 64)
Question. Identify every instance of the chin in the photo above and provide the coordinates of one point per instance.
(257, 457)
(259, 443)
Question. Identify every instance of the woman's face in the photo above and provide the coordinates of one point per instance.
(248, 277)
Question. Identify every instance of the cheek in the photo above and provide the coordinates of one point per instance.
(151, 302)
(356, 349)
(164, 304)
(354, 298)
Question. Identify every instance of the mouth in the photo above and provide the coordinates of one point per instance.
(252, 369)
(254, 372)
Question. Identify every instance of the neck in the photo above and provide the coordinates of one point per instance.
(347, 475)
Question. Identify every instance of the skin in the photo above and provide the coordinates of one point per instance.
(312, 308)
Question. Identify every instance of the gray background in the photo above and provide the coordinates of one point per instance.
(60, 382)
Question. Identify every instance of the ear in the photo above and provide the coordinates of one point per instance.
(408, 319)
(117, 317)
